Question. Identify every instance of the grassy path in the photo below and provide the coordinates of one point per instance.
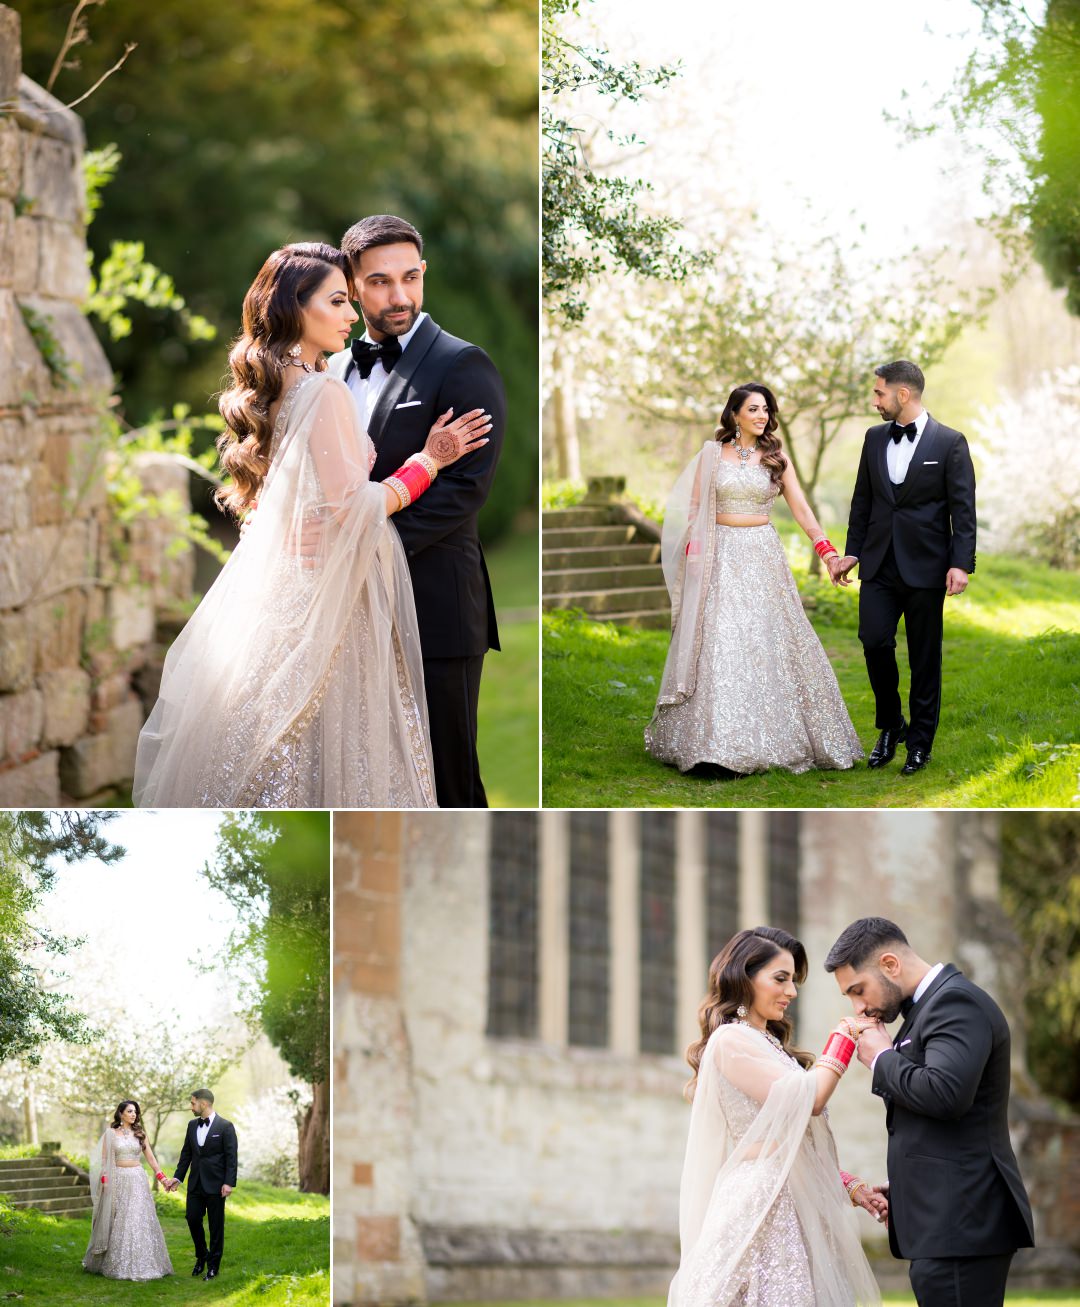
(277, 1253)
(1010, 726)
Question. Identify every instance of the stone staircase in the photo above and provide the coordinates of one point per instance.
(49, 1183)
(603, 557)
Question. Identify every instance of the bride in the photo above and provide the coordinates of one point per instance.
(746, 685)
(126, 1242)
(763, 1215)
(298, 681)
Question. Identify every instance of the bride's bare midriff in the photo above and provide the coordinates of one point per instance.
(127, 1165)
(741, 519)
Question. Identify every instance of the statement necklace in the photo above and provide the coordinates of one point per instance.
(768, 1035)
(744, 451)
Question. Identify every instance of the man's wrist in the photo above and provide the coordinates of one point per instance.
(874, 1060)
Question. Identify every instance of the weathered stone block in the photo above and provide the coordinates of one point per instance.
(10, 157)
(22, 719)
(131, 611)
(23, 374)
(109, 692)
(16, 651)
(12, 440)
(66, 695)
(97, 762)
(26, 255)
(10, 53)
(45, 115)
(57, 631)
(69, 478)
(33, 784)
(62, 267)
(52, 178)
(42, 561)
(7, 243)
(86, 359)
(14, 498)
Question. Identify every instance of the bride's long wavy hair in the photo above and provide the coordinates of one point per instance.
(137, 1129)
(730, 976)
(272, 323)
(772, 455)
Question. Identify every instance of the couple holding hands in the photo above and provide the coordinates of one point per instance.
(747, 684)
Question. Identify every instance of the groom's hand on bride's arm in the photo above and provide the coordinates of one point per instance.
(956, 581)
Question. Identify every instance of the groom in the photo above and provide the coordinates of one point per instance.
(210, 1151)
(957, 1205)
(403, 373)
(911, 531)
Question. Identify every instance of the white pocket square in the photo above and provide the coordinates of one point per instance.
(409, 403)
(903, 1043)
(930, 462)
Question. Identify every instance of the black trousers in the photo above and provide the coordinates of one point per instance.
(882, 602)
(453, 694)
(960, 1281)
(213, 1206)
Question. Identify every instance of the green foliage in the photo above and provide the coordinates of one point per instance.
(40, 327)
(30, 1014)
(245, 127)
(1040, 879)
(594, 223)
(125, 278)
(275, 871)
(1011, 649)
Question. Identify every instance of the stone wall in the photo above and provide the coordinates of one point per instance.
(76, 624)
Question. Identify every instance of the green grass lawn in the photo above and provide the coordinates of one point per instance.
(509, 730)
(277, 1253)
(1010, 724)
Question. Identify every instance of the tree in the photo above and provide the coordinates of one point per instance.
(275, 871)
(1040, 878)
(149, 1064)
(593, 224)
(31, 1012)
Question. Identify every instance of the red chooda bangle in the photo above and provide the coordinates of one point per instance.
(825, 546)
(409, 482)
(159, 1175)
(840, 1047)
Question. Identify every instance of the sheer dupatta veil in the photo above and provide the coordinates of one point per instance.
(102, 1164)
(729, 1187)
(298, 681)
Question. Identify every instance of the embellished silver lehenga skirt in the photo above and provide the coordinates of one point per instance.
(766, 694)
(136, 1244)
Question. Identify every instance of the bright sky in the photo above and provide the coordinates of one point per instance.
(150, 919)
(782, 104)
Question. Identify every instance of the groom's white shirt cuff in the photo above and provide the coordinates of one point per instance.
(920, 990)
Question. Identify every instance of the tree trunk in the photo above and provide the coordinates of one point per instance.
(314, 1130)
(30, 1120)
(567, 448)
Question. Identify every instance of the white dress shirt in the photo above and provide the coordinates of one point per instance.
(368, 389)
(920, 990)
(899, 453)
(202, 1130)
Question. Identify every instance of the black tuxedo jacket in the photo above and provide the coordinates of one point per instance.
(215, 1163)
(929, 519)
(454, 606)
(954, 1185)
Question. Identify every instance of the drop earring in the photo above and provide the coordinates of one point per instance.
(295, 351)
(741, 1012)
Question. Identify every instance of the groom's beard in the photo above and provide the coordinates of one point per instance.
(383, 322)
(892, 997)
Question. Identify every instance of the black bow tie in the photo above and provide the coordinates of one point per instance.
(367, 353)
(898, 432)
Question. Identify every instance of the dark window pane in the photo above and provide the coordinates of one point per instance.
(784, 871)
(514, 892)
(722, 882)
(657, 1031)
(590, 943)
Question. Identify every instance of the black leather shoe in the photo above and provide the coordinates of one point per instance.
(916, 761)
(211, 1274)
(200, 1266)
(885, 750)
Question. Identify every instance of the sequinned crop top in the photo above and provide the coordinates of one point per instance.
(744, 488)
(127, 1150)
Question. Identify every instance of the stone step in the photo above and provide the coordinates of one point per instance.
(582, 515)
(601, 603)
(73, 1205)
(24, 1163)
(589, 537)
(38, 1180)
(556, 559)
(576, 579)
(38, 1172)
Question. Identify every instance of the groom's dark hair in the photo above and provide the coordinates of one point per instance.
(204, 1094)
(902, 373)
(379, 229)
(861, 940)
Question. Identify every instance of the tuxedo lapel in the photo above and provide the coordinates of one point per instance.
(404, 370)
(928, 446)
(942, 976)
(888, 488)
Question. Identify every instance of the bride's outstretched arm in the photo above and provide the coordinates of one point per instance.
(148, 1153)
